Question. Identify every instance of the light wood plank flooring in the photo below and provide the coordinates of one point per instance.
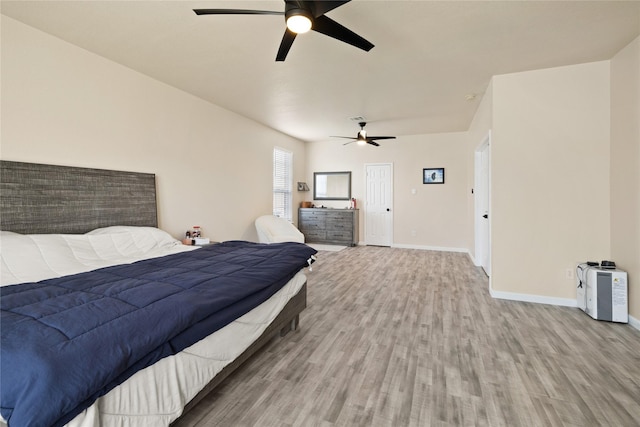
(401, 337)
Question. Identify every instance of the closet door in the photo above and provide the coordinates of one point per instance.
(378, 214)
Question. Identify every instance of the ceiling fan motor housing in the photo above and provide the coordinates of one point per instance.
(362, 134)
(292, 11)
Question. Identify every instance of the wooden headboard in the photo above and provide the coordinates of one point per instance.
(44, 199)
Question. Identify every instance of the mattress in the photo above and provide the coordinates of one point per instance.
(155, 395)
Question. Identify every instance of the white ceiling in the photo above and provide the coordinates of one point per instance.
(428, 55)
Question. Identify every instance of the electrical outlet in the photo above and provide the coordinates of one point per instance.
(569, 273)
(413, 233)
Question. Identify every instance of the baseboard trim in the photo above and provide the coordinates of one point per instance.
(538, 299)
(429, 248)
(473, 260)
(634, 322)
(564, 302)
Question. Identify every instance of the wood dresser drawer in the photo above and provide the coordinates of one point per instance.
(311, 225)
(339, 225)
(312, 215)
(315, 235)
(339, 235)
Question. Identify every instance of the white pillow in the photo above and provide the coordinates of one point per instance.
(34, 257)
(160, 236)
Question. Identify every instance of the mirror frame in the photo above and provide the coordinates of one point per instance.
(346, 174)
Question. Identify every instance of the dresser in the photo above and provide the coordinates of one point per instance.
(337, 226)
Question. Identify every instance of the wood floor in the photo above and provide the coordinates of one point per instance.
(401, 337)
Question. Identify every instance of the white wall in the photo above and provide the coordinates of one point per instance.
(437, 213)
(64, 105)
(550, 155)
(625, 167)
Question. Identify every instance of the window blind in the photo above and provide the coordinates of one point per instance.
(282, 183)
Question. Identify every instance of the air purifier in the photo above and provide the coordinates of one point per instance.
(602, 293)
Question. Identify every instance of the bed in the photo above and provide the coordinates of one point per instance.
(60, 226)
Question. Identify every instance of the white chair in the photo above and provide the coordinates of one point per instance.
(272, 229)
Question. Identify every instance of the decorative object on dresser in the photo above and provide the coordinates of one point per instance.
(333, 226)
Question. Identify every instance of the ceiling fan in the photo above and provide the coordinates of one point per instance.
(302, 16)
(362, 137)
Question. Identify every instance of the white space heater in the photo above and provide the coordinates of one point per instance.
(602, 293)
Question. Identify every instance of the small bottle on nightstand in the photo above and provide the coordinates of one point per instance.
(187, 238)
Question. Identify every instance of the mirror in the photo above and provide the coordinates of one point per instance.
(332, 185)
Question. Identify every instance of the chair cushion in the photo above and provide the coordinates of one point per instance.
(272, 229)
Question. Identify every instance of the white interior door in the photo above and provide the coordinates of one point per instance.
(482, 202)
(378, 215)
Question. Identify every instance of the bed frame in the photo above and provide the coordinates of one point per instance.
(285, 322)
(48, 199)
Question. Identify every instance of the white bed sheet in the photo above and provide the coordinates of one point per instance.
(156, 395)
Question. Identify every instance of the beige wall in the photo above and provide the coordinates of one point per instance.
(63, 105)
(550, 178)
(625, 167)
(435, 213)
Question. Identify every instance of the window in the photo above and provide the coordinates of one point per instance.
(282, 182)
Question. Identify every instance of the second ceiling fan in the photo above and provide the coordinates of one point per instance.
(362, 137)
(302, 16)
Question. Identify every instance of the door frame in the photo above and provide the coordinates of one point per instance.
(480, 245)
(364, 207)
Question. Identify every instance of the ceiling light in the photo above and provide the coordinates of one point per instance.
(298, 20)
(362, 137)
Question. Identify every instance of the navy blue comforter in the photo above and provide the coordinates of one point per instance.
(69, 340)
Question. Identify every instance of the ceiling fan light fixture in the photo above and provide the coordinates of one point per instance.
(298, 20)
(362, 138)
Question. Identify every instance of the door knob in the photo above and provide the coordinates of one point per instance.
(388, 209)
(485, 216)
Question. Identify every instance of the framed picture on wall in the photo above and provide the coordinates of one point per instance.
(433, 176)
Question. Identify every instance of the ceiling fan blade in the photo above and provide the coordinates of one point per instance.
(285, 44)
(373, 138)
(331, 28)
(372, 143)
(348, 137)
(347, 143)
(320, 7)
(235, 12)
